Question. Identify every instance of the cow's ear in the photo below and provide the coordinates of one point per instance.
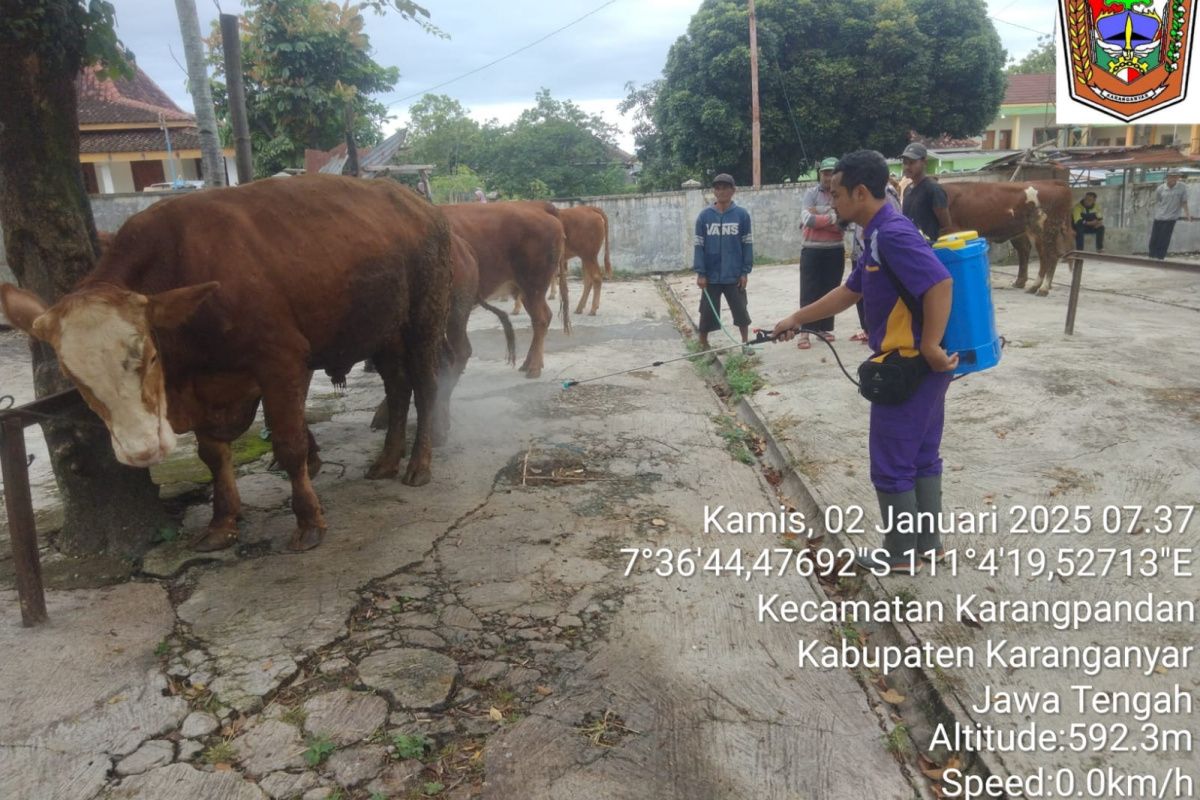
(171, 309)
(22, 308)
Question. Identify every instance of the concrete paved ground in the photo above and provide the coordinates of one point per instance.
(1105, 418)
(476, 637)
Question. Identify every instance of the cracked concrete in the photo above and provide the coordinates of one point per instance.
(512, 581)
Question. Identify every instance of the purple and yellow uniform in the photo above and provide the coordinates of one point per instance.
(905, 438)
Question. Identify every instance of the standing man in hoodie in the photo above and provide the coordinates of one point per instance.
(822, 255)
(724, 255)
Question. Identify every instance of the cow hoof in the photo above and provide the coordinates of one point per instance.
(524, 367)
(592, 313)
(1033, 289)
(1017, 285)
(380, 420)
(417, 476)
(533, 372)
(382, 471)
(214, 539)
(1043, 292)
(305, 539)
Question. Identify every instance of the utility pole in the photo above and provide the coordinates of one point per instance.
(232, 44)
(755, 132)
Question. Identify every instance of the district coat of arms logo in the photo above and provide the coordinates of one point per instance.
(1128, 58)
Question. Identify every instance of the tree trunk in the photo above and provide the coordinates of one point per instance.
(212, 163)
(50, 238)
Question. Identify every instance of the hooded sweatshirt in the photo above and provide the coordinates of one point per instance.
(724, 246)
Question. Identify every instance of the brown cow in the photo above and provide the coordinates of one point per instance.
(1027, 214)
(518, 245)
(586, 229)
(456, 350)
(205, 303)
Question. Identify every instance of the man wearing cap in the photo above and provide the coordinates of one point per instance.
(822, 254)
(723, 257)
(1170, 203)
(925, 200)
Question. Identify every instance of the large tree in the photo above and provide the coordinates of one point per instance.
(1038, 61)
(832, 78)
(554, 149)
(441, 133)
(305, 62)
(50, 238)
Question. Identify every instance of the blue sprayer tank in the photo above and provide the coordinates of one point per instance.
(971, 330)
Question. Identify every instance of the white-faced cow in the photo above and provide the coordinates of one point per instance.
(518, 246)
(205, 303)
(1026, 214)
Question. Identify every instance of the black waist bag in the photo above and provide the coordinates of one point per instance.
(892, 380)
(895, 378)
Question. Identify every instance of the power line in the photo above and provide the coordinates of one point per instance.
(1022, 27)
(505, 57)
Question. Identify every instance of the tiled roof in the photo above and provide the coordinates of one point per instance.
(102, 100)
(1030, 89)
(137, 141)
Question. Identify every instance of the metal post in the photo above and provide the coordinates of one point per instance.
(21, 528)
(1073, 303)
(232, 45)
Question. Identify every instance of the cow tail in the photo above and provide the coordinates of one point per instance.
(607, 263)
(510, 338)
(563, 303)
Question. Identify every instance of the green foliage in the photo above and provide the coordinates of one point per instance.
(319, 748)
(861, 73)
(413, 746)
(554, 149)
(162, 648)
(307, 66)
(68, 35)
(441, 133)
(743, 379)
(1038, 61)
(219, 753)
(432, 787)
(457, 187)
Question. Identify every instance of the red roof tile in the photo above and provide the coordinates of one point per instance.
(104, 100)
(1030, 89)
(138, 141)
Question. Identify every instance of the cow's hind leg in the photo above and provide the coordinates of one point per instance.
(283, 405)
(222, 531)
(421, 362)
(540, 315)
(395, 384)
(1047, 263)
(451, 370)
(1023, 247)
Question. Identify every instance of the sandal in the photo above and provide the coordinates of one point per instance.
(803, 344)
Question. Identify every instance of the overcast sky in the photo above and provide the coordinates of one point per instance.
(589, 62)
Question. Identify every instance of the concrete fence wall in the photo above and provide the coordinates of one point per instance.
(653, 232)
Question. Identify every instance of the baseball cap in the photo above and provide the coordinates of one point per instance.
(828, 163)
(915, 150)
(724, 177)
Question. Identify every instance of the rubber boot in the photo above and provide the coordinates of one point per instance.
(929, 502)
(899, 545)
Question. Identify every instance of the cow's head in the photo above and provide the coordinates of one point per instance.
(104, 338)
